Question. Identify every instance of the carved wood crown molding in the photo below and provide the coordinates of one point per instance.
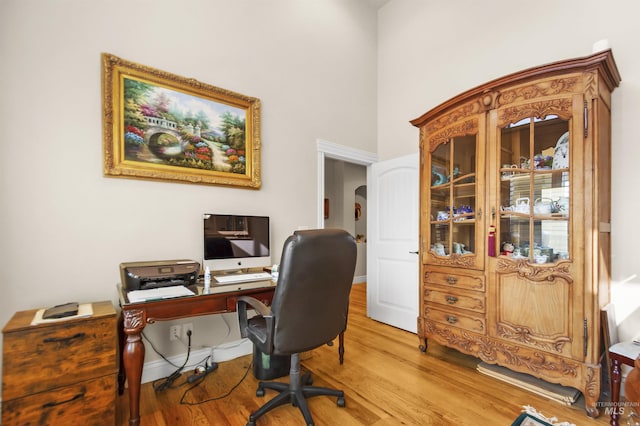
(599, 67)
(468, 127)
(551, 87)
(497, 99)
(460, 113)
(560, 107)
(535, 273)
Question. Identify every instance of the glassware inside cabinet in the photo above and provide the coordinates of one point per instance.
(534, 190)
(440, 204)
(464, 218)
(440, 239)
(440, 165)
(440, 197)
(453, 196)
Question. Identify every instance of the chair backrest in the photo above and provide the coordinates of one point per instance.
(311, 300)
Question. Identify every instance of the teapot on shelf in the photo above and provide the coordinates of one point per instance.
(543, 206)
(522, 205)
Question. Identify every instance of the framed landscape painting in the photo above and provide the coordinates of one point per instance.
(161, 126)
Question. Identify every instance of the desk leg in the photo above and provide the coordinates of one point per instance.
(615, 389)
(122, 376)
(133, 359)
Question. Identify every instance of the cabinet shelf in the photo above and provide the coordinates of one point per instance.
(457, 222)
(526, 216)
(440, 187)
(459, 182)
(464, 185)
(465, 180)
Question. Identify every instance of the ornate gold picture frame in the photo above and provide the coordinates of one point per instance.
(161, 126)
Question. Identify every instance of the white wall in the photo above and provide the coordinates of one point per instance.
(64, 227)
(429, 52)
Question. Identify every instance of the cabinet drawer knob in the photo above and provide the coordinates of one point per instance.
(451, 299)
(452, 319)
(54, 404)
(64, 339)
(451, 280)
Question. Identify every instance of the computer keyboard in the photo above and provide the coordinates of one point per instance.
(242, 278)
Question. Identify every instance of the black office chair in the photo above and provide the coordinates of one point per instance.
(309, 309)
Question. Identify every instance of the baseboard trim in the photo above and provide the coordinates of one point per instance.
(157, 369)
(360, 279)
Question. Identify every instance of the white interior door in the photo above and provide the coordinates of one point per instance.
(392, 242)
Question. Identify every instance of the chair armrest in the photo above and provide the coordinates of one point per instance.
(260, 307)
(245, 303)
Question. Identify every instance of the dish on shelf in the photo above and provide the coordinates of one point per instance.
(561, 152)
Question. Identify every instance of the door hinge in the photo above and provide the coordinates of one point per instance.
(585, 338)
(586, 120)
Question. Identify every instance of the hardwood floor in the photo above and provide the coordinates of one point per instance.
(386, 380)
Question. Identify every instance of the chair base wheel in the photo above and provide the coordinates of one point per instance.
(295, 393)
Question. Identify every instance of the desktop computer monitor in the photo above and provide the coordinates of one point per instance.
(235, 242)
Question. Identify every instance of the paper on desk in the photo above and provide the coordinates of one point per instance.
(159, 293)
(84, 310)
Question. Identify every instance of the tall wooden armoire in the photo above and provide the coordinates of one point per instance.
(515, 221)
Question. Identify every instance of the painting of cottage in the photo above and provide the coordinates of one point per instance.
(168, 127)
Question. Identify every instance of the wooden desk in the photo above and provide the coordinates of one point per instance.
(620, 353)
(135, 316)
(632, 388)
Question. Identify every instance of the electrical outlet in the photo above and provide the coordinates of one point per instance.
(185, 329)
(174, 332)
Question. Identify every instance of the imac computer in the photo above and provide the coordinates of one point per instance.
(234, 243)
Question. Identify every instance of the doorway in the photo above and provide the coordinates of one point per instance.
(342, 179)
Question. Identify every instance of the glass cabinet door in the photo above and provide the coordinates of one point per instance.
(453, 199)
(534, 190)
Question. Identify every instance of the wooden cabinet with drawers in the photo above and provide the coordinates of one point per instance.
(515, 220)
(60, 372)
(454, 298)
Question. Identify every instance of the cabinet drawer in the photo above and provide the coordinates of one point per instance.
(468, 280)
(467, 321)
(87, 403)
(456, 300)
(42, 358)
